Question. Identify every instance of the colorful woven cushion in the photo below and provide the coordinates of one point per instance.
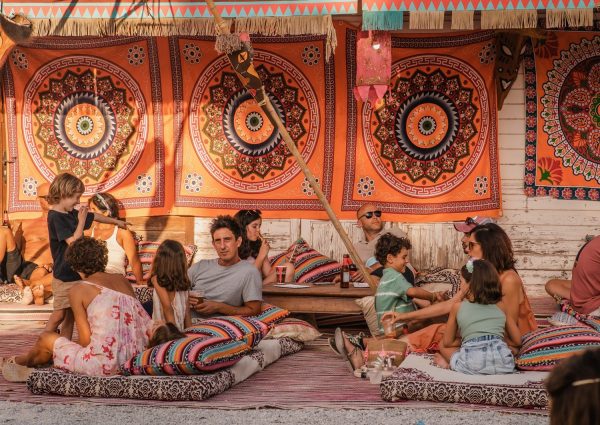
(214, 344)
(295, 329)
(310, 265)
(271, 314)
(544, 348)
(147, 251)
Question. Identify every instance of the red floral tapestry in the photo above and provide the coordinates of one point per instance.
(562, 96)
(428, 151)
(91, 107)
(228, 155)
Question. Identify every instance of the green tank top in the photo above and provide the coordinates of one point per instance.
(475, 320)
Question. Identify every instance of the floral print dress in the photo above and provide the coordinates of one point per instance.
(120, 328)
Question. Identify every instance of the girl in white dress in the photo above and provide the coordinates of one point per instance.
(171, 285)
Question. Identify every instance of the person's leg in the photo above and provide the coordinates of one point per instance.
(442, 359)
(41, 352)
(559, 288)
(54, 321)
(10, 263)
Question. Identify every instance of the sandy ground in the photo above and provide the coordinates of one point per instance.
(27, 413)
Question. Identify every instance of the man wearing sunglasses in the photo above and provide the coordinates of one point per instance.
(369, 219)
(27, 258)
(467, 227)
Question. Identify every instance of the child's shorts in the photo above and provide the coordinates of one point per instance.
(60, 290)
(485, 355)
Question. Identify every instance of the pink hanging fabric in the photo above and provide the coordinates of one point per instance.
(373, 65)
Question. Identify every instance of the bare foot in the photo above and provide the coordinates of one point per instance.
(20, 283)
(27, 296)
(38, 294)
(440, 361)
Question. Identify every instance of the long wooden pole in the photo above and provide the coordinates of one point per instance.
(223, 29)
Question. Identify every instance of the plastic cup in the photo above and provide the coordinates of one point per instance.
(389, 328)
(280, 272)
(197, 295)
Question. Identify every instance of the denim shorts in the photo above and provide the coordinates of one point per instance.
(485, 355)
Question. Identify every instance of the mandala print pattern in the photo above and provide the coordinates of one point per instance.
(234, 138)
(424, 135)
(562, 96)
(83, 119)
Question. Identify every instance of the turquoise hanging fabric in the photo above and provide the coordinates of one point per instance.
(384, 21)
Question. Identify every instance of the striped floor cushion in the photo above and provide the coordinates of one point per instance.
(209, 346)
(419, 379)
(310, 265)
(544, 348)
(168, 388)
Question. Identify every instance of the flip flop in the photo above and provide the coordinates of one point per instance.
(13, 372)
(331, 342)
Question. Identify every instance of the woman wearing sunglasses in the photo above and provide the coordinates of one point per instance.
(489, 242)
(255, 248)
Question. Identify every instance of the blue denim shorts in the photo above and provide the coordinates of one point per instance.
(485, 355)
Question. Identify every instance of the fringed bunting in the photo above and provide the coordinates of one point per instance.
(572, 18)
(374, 65)
(426, 20)
(462, 20)
(505, 19)
(382, 21)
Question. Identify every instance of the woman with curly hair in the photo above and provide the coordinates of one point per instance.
(112, 324)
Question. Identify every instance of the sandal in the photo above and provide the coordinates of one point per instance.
(331, 342)
(14, 372)
(341, 348)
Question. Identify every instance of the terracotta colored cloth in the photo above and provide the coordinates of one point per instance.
(562, 130)
(429, 150)
(229, 155)
(92, 107)
(373, 65)
(585, 283)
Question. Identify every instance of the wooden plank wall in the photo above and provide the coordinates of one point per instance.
(546, 233)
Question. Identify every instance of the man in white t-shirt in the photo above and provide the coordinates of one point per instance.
(231, 287)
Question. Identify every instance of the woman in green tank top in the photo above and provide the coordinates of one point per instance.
(482, 324)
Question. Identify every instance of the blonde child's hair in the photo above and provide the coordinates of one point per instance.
(64, 186)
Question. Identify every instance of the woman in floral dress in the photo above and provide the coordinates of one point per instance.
(112, 324)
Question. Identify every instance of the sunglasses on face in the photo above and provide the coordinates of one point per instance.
(472, 244)
(370, 214)
(470, 220)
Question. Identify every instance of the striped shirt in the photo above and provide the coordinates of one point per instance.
(391, 294)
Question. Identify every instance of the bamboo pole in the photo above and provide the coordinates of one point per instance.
(222, 28)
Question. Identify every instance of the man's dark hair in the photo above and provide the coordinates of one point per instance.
(389, 244)
(225, 222)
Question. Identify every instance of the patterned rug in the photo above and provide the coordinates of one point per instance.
(229, 155)
(314, 377)
(429, 149)
(98, 116)
(562, 95)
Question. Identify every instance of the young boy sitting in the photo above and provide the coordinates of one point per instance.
(395, 293)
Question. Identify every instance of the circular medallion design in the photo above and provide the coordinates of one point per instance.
(430, 130)
(19, 59)
(365, 186)
(30, 185)
(233, 136)
(193, 182)
(571, 108)
(87, 116)
(143, 183)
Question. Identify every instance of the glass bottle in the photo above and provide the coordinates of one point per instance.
(345, 273)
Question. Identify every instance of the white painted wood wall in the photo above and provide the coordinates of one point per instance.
(546, 233)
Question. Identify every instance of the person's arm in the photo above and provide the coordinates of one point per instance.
(434, 310)
(513, 334)
(421, 294)
(132, 255)
(109, 220)
(450, 339)
(165, 302)
(511, 290)
(81, 225)
(76, 295)
(187, 320)
(263, 254)
(250, 308)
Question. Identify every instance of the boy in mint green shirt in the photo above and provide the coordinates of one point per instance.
(394, 292)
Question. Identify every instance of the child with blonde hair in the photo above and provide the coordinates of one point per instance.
(66, 225)
(171, 286)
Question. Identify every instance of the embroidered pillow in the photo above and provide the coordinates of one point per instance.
(214, 344)
(544, 348)
(271, 314)
(295, 329)
(310, 265)
(367, 304)
(147, 251)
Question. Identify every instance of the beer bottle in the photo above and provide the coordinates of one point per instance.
(5, 222)
(345, 273)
